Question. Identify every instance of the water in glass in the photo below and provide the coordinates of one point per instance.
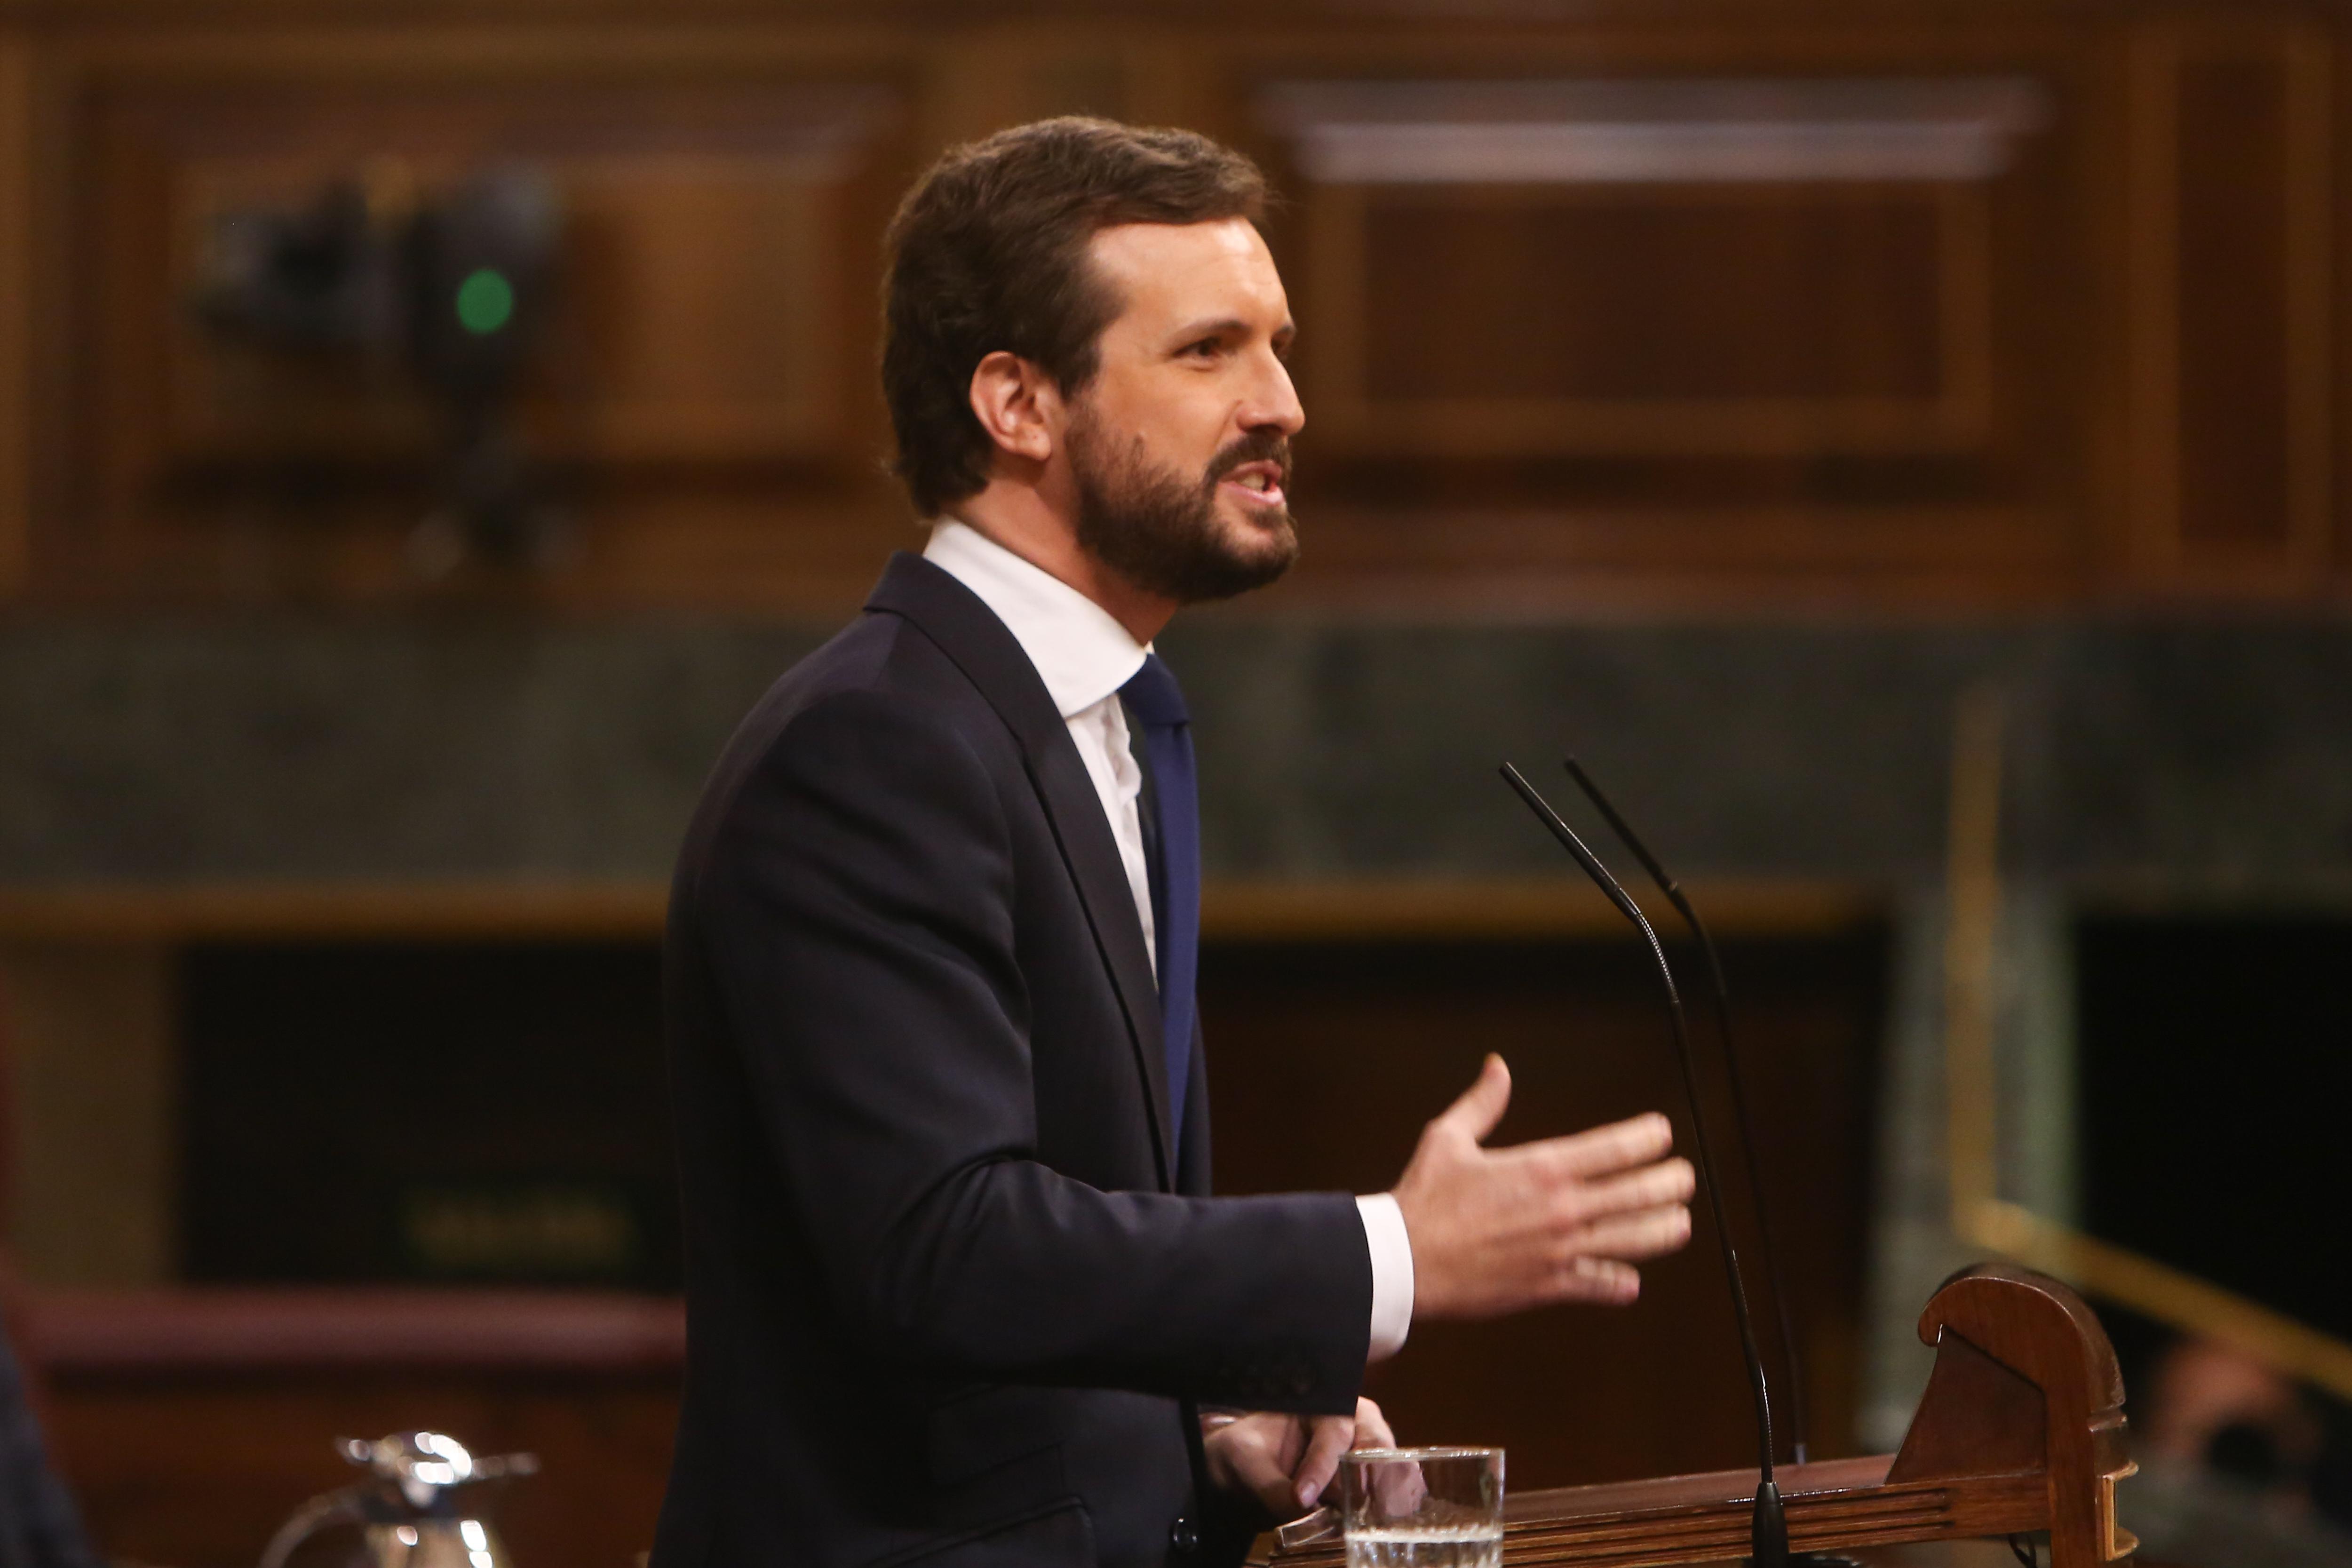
(1427, 1546)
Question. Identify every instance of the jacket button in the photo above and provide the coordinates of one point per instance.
(1184, 1537)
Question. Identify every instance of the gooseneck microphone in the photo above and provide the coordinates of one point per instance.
(1721, 997)
(1769, 1527)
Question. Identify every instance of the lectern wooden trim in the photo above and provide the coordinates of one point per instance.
(2021, 1429)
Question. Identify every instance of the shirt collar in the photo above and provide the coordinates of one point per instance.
(1080, 651)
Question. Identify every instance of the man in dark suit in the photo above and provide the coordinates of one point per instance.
(956, 1293)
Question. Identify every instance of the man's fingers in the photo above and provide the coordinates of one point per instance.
(1652, 1186)
(1556, 1220)
(1256, 1454)
(1371, 1426)
(1600, 1281)
(1483, 1104)
(1253, 1468)
(1329, 1437)
(1604, 1150)
(1648, 1234)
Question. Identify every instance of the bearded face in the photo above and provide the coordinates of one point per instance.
(1185, 537)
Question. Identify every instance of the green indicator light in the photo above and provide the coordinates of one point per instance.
(485, 301)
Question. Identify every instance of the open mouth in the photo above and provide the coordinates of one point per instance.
(1257, 484)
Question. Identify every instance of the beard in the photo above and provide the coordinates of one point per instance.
(1161, 531)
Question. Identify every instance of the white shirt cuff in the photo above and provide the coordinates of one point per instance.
(1391, 1250)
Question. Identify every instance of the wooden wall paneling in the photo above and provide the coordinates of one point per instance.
(1687, 266)
(93, 1103)
(697, 323)
(699, 318)
(1168, 80)
(2105, 160)
(988, 79)
(972, 85)
(706, 369)
(2152, 283)
(2314, 200)
(2340, 318)
(1665, 317)
(16, 228)
(1618, 397)
(1903, 399)
(2231, 348)
(991, 76)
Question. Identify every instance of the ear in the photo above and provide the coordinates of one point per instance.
(1019, 407)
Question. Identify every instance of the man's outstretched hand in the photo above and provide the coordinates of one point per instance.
(1287, 1462)
(1500, 1230)
(1492, 1231)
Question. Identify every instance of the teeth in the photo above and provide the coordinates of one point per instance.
(1255, 481)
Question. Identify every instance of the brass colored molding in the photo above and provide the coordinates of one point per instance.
(388, 910)
(1503, 909)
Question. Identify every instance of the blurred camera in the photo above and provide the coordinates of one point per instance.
(455, 287)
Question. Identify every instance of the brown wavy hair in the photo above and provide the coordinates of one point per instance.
(988, 252)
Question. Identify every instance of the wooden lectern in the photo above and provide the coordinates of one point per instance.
(2021, 1429)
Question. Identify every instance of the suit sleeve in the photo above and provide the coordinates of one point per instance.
(857, 912)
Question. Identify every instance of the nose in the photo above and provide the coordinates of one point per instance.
(1273, 404)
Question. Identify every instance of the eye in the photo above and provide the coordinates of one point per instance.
(1206, 348)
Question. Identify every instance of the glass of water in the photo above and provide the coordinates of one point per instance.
(1424, 1507)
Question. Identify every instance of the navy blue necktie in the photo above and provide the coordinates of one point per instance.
(1157, 703)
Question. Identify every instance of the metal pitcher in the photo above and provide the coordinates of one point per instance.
(422, 1506)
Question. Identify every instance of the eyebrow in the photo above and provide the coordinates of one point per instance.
(1193, 332)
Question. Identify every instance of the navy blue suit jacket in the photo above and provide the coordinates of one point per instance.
(947, 1279)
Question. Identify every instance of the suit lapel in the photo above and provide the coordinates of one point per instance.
(969, 633)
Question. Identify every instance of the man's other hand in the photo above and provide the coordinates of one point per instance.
(1500, 1230)
(1287, 1462)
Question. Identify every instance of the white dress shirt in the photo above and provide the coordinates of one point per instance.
(1083, 656)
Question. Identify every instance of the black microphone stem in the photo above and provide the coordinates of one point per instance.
(1721, 996)
(1771, 1541)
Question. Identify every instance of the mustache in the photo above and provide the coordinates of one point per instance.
(1259, 447)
